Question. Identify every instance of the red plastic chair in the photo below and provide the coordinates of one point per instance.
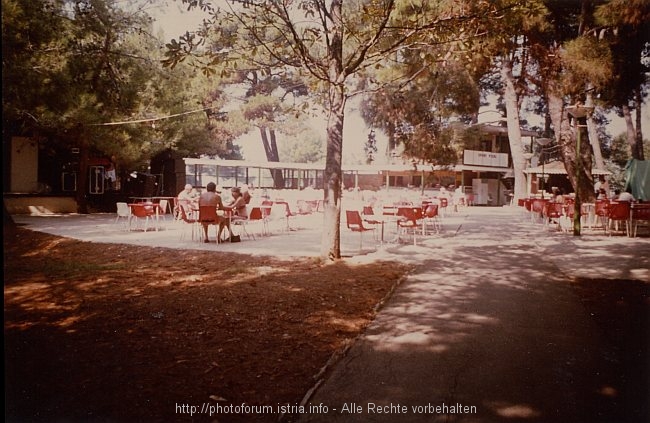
(430, 218)
(553, 212)
(537, 208)
(259, 214)
(143, 211)
(410, 219)
(369, 216)
(528, 202)
(601, 212)
(639, 212)
(355, 224)
(208, 216)
(618, 212)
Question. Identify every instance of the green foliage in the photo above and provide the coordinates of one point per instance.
(586, 59)
(305, 146)
(95, 67)
(415, 114)
(370, 147)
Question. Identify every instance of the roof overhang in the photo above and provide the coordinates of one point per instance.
(474, 168)
(557, 168)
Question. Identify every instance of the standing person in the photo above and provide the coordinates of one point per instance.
(602, 184)
(110, 176)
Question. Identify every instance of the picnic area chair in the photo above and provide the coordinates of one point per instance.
(410, 220)
(124, 213)
(189, 220)
(355, 224)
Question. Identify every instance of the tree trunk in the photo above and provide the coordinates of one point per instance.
(566, 137)
(331, 239)
(82, 182)
(514, 129)
(630, 132)
(271, 151)
(638, 135)
(593, 133)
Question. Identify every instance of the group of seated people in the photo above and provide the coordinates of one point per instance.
(558, 195)
(235, 209)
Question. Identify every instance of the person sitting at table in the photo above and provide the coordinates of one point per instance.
(188, 193)
(187, 199)
(622, 196)
(236, 208)
(211, 197)
(238, 204)
(245, 192)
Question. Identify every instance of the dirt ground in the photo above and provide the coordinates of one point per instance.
(120, 333)
(109, 332)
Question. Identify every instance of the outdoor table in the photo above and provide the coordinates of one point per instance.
(170, 203)
(379, 220)
(142, 199)
(154, 206)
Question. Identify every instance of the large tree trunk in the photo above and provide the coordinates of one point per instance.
(630, 133)
(593, 133)
(331, 239)
(638, 135)
(271, 150)
(514, 129)
(82, 182)
(566, 137)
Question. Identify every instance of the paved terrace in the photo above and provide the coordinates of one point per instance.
(486, 319)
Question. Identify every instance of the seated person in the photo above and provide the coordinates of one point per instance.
(188, 194)
(623, 196)
(245, 191)
(211, 197)
(238, 204)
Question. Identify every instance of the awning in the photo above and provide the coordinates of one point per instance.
(473, 168)
(637, 178)
(557, 168)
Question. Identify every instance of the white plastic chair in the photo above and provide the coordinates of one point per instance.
(163, 209)
(279, 214)
(124, 212)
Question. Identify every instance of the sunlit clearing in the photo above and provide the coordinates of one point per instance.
(39, 210)
(51, 245)
(514, 411)
(422, 341)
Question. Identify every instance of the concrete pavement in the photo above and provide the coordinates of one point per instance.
(488, 329)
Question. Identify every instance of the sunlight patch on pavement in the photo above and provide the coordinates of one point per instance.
(514, 411)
